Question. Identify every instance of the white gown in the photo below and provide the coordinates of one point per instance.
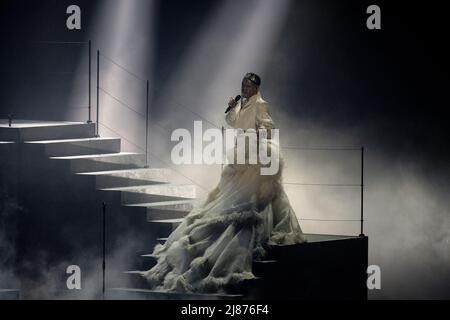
(215, 245)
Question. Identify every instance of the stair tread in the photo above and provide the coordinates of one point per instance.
(140, 272)
(315, 237)
(264, 261)
(133, 272)
(100, 155)
(176, 294)
(175, 220)
(109, 172)
(311, 237)
(9, 290)
(71, 140)
(159, 185)
(159, 203)
(131, 188)
(149, 255)
(18, 124)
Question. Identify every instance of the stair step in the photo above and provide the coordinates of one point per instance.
(256, 263)
(107, 161)
(264, 262)
(28, 130)
(155, 214)
(173, 211)
(80, 146)
(9, 294)
(312, 237)
(137, 293)
(7, 147)
(158, 193)
(132, 272)
(264, 267)
(181, 205)
(133, 178)
(172, 224)
(141, 282)
(166, 221)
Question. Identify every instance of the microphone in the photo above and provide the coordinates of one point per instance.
(238, 97)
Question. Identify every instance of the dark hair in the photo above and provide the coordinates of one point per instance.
(253, 77)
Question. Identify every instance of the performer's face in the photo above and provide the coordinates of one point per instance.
(248, 88)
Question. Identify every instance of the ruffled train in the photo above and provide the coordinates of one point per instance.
(213, 248)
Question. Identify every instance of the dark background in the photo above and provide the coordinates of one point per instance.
(393, 81)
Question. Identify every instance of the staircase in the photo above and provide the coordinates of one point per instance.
(52, 156)
(65, 172)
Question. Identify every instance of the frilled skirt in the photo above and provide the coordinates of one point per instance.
(215, 245)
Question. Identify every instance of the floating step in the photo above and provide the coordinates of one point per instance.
(134, 279)
(145, 294)
(312, 237)
(104, 162)
(80, 146)
(256, 264)
(156, 214)
(142, 283)
(181, 205)
(264, 267)
(7, 147)
(28, 130)
(158, 193)
(130, 179)
(166, 220)
(166, 209)
(137, 272)
(171, 223)
(309, 236)
(9, 294)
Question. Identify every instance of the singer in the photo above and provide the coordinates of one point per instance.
(213, 248)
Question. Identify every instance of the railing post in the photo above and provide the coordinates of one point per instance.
(98, 91)
(362, 192)
(89, 83)
(104, 250)
(146, 128)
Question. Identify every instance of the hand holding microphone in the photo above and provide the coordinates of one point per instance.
(232, 103)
